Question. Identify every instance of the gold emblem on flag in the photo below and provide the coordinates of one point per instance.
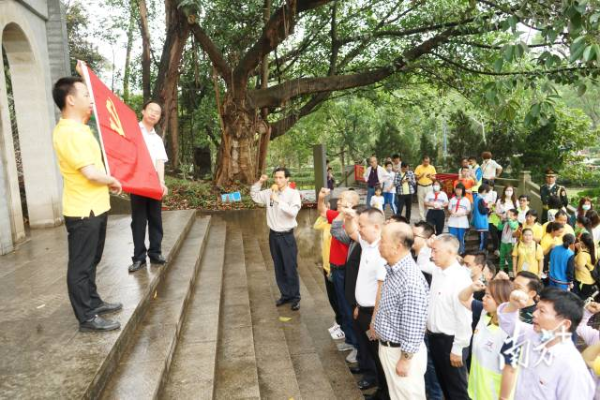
(115, 121)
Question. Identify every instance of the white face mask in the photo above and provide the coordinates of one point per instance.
(436, 188)
(547, 336)
(586, 207)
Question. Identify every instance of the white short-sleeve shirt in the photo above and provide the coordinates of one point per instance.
(371, 271)
(489, 169)
(155, 145)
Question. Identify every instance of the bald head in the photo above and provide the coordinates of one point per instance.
(348, 198)
(396, 240)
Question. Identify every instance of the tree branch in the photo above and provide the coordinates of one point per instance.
(276, 95)
(493, 73)
(283, 125)
(215, 55)
(279, 27)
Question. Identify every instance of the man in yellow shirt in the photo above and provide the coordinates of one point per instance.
(85, 202)
(425, 175)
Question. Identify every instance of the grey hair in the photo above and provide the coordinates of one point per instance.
(450, 241)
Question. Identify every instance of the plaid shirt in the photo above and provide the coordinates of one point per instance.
(412, 182)
(402, 314)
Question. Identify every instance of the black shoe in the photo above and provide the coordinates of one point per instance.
(106, 308)
(137, 265)
(99, 324)
(296, 305)
(355, 370)
(281, 302)
(159, 260)
(376, 396)
(364, 385)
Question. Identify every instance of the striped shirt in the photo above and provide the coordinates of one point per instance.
(402, 313)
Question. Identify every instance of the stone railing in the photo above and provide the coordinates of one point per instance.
(524, 185)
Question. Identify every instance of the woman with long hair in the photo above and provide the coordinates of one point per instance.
(459, 208)
(507, 201)
(485, 374)
(585, 261)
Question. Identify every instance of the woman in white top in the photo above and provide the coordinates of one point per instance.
(508, 201)
(459, 208)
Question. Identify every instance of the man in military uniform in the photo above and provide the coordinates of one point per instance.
(550, 188)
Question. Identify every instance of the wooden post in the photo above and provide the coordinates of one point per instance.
(320, 162)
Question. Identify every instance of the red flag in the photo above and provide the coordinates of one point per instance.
(125, 151)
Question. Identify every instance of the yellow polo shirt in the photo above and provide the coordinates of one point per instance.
(76, 147)
(537, 230)
(566, 229)
(422, 170)
(528, 257)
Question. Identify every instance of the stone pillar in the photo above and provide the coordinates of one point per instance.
(524, 179)
(320, 162)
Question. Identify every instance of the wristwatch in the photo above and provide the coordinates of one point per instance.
(407, 356)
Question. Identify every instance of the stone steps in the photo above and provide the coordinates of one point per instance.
(320, 369)
(192, 372)
(144, 366)
(236, 373)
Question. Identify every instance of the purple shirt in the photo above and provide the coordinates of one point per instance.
(564, 376)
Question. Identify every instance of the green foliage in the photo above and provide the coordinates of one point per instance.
(465, 140)
(81, 45)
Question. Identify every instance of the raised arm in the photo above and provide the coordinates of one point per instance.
(351, 223)
(321, 206)
(466, 295)
(257, 195)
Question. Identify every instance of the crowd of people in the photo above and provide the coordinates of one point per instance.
(422, 317)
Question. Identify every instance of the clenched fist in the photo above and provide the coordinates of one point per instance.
(324, 193)
(263, 178)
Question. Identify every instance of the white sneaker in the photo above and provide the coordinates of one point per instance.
(334, 327)
(344, 346)
(351, 358)
(337, 334)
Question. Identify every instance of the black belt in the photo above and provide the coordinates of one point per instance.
(429, 333)
(424, 185)
(389, 344)
(366, 309)
(334, 266)
(284, 233)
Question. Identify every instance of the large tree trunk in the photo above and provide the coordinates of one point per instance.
(127, 73)
(165, 89)
(237, 153)
(146, 62)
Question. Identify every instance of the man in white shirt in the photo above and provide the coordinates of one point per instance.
(365, 229)
(146, 211)
(449, 324)
(283, 204)
(490, 168)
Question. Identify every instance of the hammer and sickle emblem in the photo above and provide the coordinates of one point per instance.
(115, 121)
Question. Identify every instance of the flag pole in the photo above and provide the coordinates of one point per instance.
(88, 83)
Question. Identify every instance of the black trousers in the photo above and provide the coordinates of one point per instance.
(495, 236)
(146, 212)
(361, 325)
(437, 218)
(452, 380)
(86, 243)
(404, 200)
(284, 253)
(332, 299)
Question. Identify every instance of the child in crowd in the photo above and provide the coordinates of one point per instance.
(585, 260)
(523, 208)
(467, 180)
(531, 222)
(480, 215)
(377, 201)
(582, 225)
(458, 222)
(507, 241)
(527, 255)
(389, 189)
(562, 263)
(507, 202)
(488, 338)
(436, 202)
